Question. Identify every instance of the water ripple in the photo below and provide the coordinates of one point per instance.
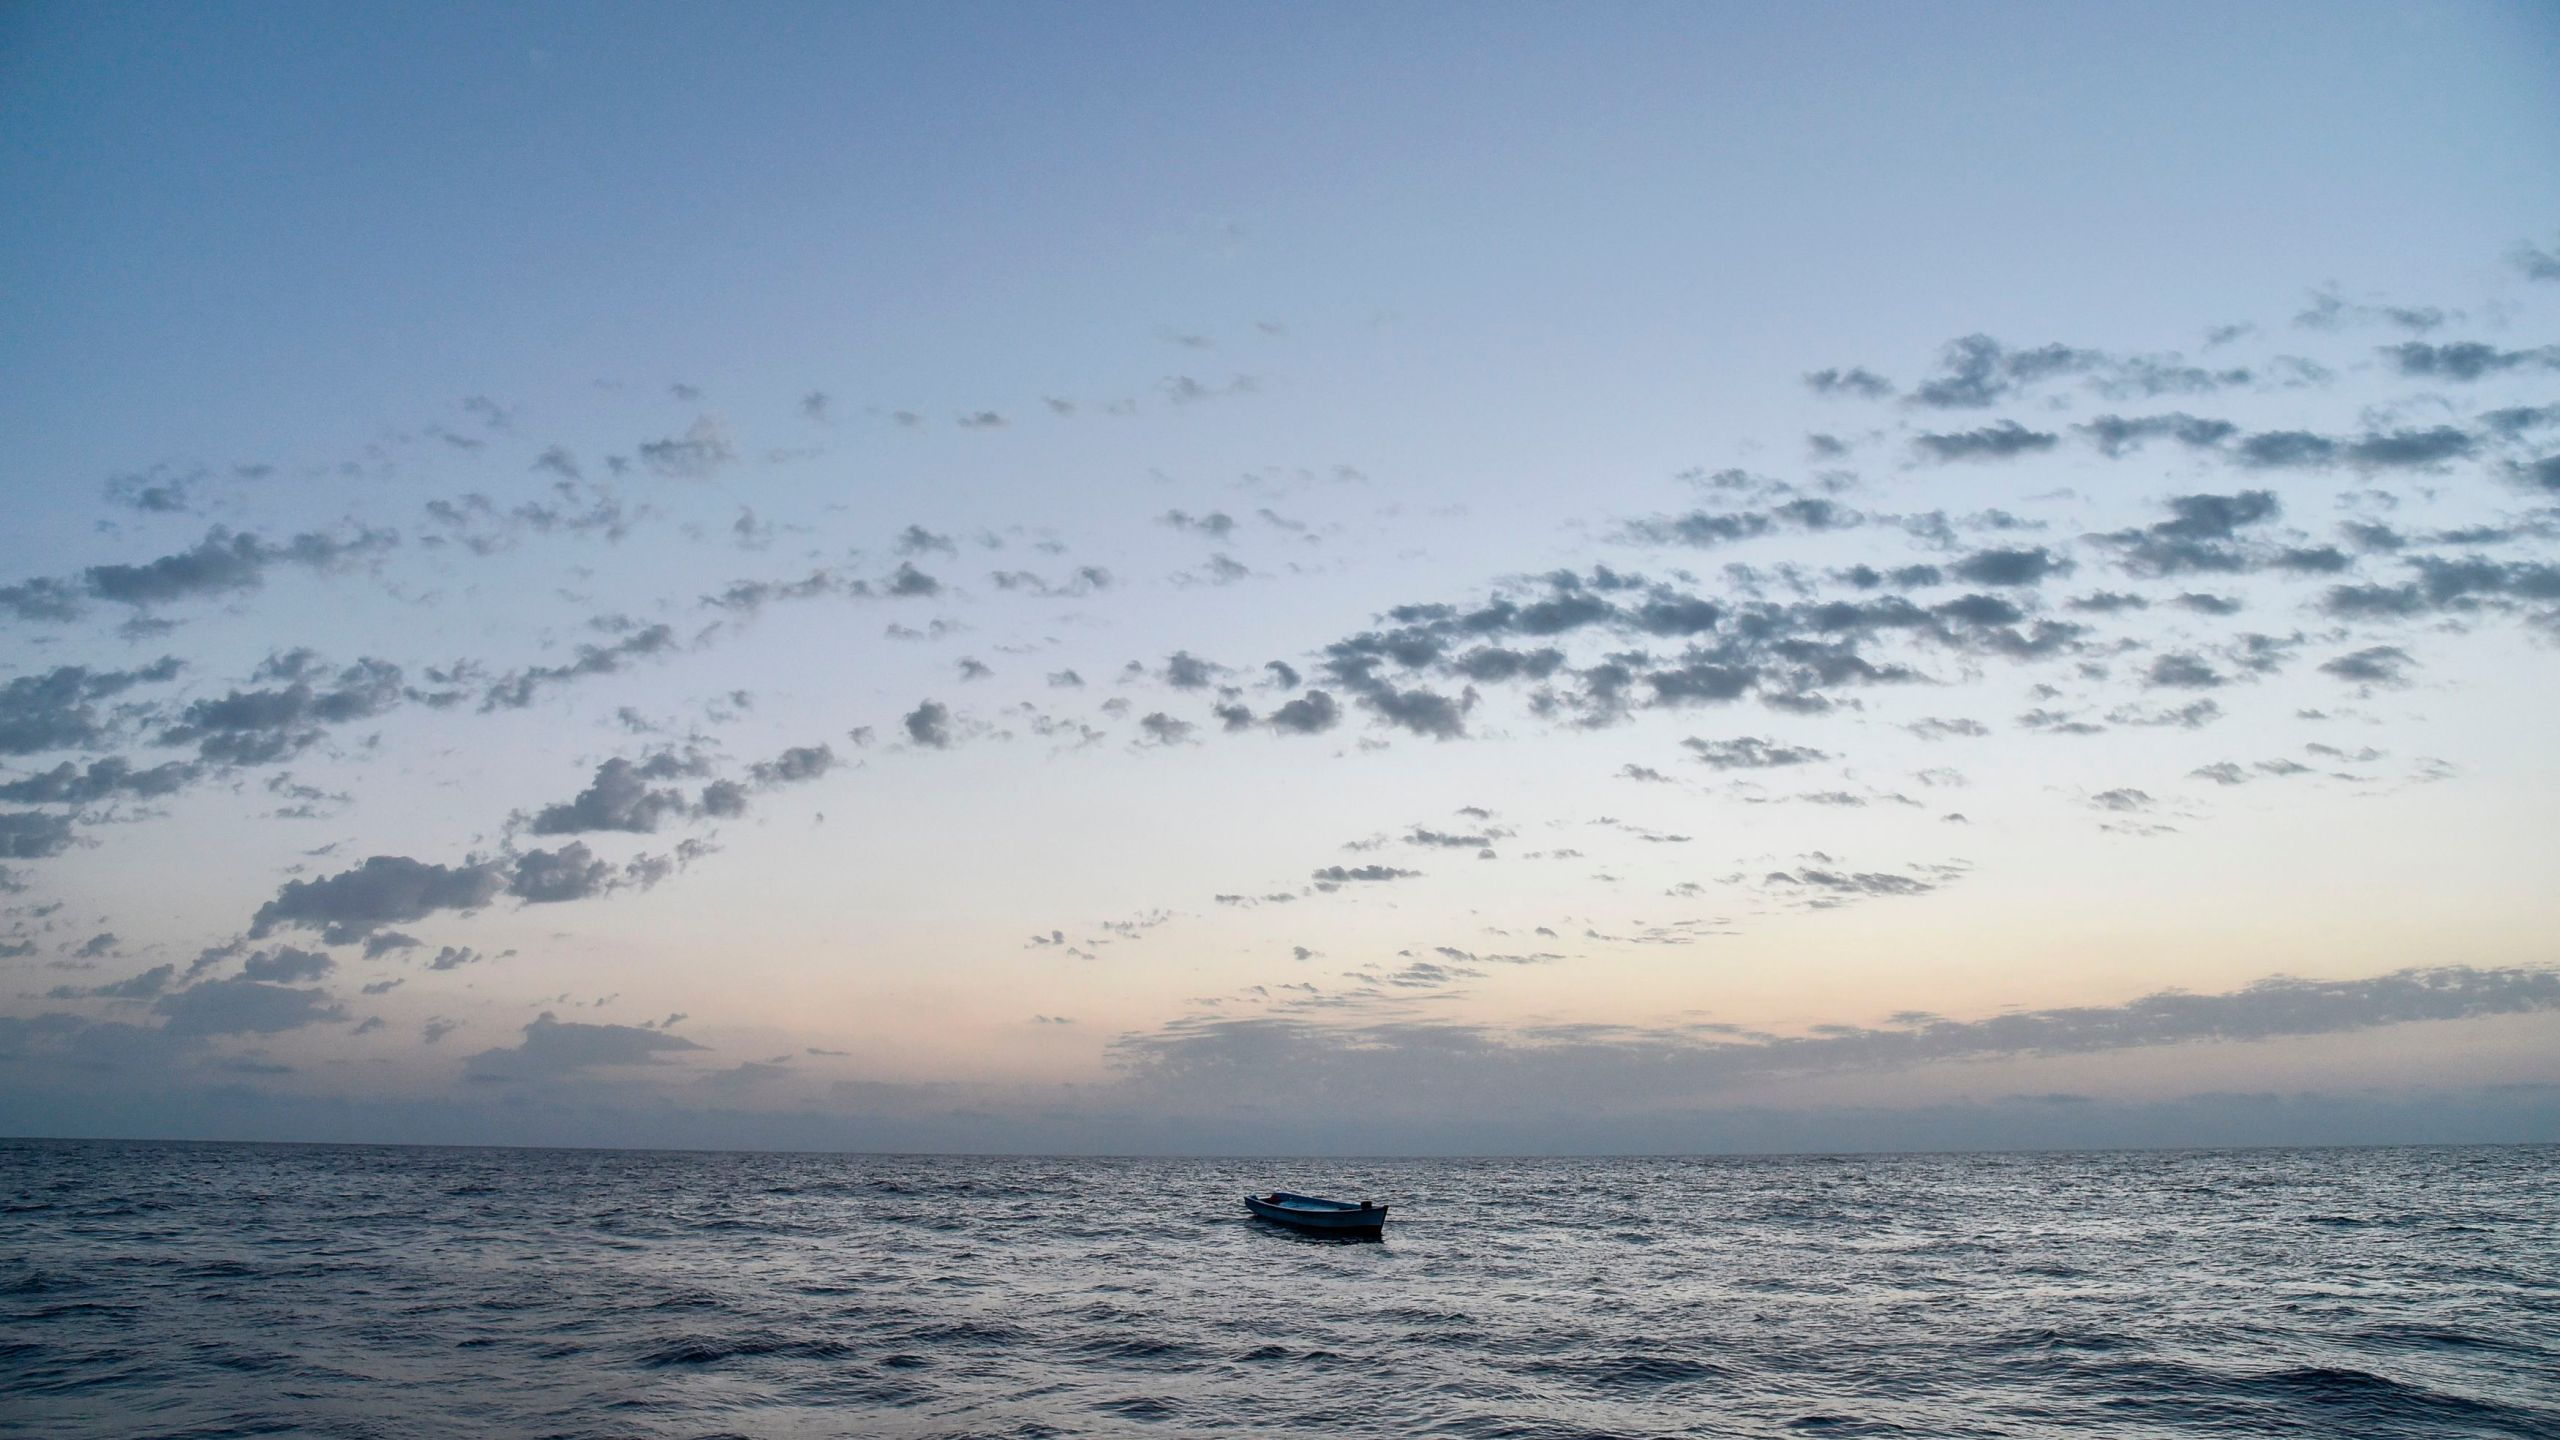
(217, 1290)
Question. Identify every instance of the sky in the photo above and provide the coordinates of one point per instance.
(1490, 579)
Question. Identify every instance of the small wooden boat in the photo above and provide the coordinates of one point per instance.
(1334, 1217)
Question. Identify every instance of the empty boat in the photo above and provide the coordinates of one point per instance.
(1308, 1212)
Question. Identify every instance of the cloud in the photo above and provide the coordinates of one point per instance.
(1703, 680)
(2228, 772)
(1971, 376)
(2330, 310)
(2276, 449)
(1451, 1072)
(144, 986)
(549, 877)
(2410, 449)
(517, 690)
(1976, 371)
(917, 540)
(573, 508)
(553, 1048)
(723, 800)
(222, 563)
(746, 1075)
(1333, 875)
(749, 597)
(1834, 884)
(1186, 671)
(697, 454)
(619, 798)
(929, 725)
(2182, 671)
(257, 727)
(2011, 567)
(157, 491)
(2003, 441)
(2542, 474)
(2194, 715)
(1217, 524)
(1496, 662)
(2456, 583)
(2466, 360)
(2376, 665)
(1858, 382)
(384, 890)
(1787, 653)
(796, 765)
(2403, 449)
(1184, 390)
(1701, 528)
(2197, 536)
(2117, 436)
(1087, 580)
(287, 965)
(1747, 752)
(909, 583)
(244, 1005)
(54, 710)
(1789, 633)
(1310, 714)
(1424, 712)
(33, 835)
(105, 779)
(2216, 517)
(2515, 420)
(1705, 529)
(1430, 839)
(383, 942)
(41, 600)
(1220, 569)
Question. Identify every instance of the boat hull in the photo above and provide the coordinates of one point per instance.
(1330, 1218)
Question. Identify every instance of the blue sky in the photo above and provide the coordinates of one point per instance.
(829, 524)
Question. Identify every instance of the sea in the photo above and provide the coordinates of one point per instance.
(215, 1290)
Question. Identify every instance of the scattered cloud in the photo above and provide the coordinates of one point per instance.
(554, 1049)
(384, 890)
(2005, 441)
(698, 454)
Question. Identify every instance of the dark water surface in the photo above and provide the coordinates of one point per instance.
(219, 1290)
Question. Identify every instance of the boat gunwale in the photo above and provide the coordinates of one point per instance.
(1290, 1207)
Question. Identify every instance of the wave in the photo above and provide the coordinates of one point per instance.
(252, 1291)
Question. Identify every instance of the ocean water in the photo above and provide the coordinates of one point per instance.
(234, 1290)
